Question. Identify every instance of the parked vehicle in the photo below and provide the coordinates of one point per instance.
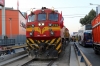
(96, 33)
(85, 35)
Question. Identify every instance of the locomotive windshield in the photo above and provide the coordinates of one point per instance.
(31, 18)
(42, 16)
(53, 17)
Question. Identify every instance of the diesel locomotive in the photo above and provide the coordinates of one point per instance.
(43, 32)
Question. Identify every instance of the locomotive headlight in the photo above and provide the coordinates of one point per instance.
(39, 24)
(42, 9)
(52, 33)
(50, 25)
(42, 24)
(32, 25)
(31, 34)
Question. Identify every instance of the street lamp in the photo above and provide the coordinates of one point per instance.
(97, 8)
(91, 4)
(94, 4)
(10, 19)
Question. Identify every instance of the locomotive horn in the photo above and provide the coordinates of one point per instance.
(61, 14)
(53, 8)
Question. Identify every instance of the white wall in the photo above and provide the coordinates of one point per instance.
(22, 31)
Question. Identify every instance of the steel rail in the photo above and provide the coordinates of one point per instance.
(51, 63)
(10, 58)
(28, 62)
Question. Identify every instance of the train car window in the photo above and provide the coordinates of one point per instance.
(31, 18)
(53, 17)
(88, 36)
(62, 19)
(42, 16)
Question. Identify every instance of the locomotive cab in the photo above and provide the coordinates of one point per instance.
(43, 23)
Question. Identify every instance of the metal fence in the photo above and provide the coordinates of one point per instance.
(14, 39)
(7, 42)
(83, 61)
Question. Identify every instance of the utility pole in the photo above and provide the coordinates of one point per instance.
(2, 3)
(3, 23)
(97, 8)
(10, 19)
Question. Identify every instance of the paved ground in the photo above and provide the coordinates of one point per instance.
(64, 60)
(92, 57)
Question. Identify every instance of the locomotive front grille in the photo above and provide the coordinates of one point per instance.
(35, 44)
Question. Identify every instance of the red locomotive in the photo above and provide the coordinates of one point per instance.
(43, 33)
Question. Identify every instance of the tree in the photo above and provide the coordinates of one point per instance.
(88, 18)
(81, 21)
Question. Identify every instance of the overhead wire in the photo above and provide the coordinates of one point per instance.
(73, 16)
(75, 7)
(64, 7)
(59, 7)
(63, 15)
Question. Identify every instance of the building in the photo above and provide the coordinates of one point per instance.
(13, 20)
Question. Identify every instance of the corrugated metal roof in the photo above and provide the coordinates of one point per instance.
(8, 8)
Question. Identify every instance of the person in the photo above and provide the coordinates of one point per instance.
(73, 38)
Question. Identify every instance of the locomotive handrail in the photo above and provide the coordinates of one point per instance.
(15, 47)
(83, 57)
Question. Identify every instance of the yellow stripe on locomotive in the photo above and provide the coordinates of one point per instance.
(56, 42)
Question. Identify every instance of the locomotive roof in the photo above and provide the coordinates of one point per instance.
(46, 10)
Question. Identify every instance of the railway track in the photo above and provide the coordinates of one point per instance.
(18, 62)
(36, 62)
(28, 61)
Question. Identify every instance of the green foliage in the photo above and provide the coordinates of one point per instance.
(88, 18)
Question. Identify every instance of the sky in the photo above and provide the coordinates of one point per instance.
(72, 10)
